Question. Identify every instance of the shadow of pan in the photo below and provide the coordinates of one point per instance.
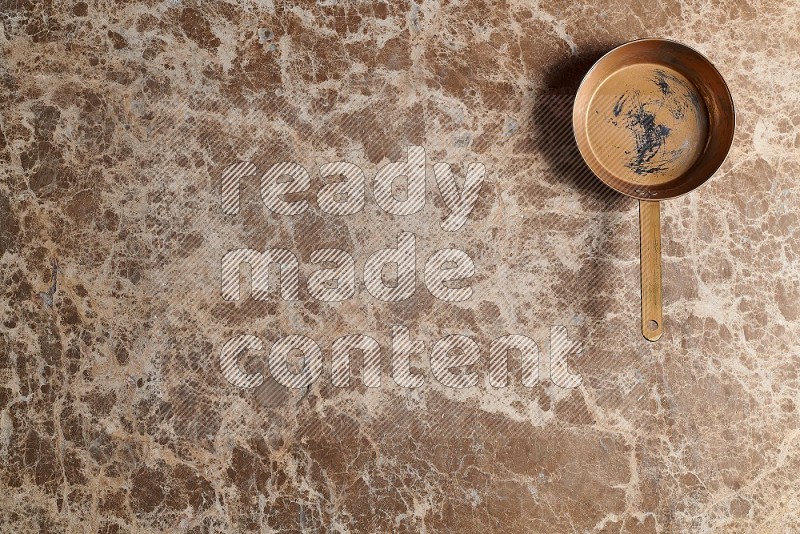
(554, 142)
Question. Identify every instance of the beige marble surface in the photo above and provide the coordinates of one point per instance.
(118, 120)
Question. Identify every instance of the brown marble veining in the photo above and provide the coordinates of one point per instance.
(117, 122)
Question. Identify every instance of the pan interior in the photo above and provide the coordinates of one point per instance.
(647, 124)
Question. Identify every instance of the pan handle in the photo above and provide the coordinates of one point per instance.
(650, 261)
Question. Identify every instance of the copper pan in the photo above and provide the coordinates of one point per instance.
(653, 119)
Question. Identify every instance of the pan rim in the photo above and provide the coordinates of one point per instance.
(728, 96)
